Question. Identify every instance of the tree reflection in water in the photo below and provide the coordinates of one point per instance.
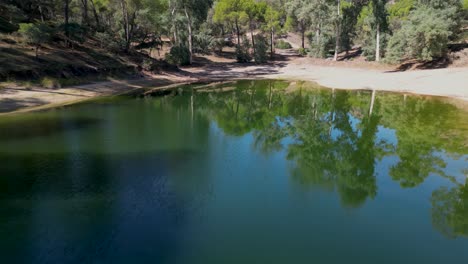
(332, 138)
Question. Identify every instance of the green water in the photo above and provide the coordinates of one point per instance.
(252, 172)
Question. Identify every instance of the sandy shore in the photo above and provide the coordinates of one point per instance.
(450, 82)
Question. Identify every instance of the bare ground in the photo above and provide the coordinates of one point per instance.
(448, 82)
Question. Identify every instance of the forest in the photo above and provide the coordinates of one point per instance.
(391, 31)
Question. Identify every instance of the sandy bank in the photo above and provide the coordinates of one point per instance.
(451, 82)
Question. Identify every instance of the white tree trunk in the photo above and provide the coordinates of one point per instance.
(190, 37)
(377, 46)
(338, 29)
(371, 108)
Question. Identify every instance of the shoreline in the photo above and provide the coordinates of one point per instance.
(419, 82)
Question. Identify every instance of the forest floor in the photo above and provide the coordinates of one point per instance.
(347, 74)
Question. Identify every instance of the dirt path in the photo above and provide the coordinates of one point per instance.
(450, 82)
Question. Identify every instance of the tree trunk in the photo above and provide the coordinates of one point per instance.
(303, 34)
(67, 17)
(84, 19)
(190, 37)
(338, 32)
(238, 33)
(126, 25)
(377, 48)
(37, 51)
(371, 107)
(174, 26)
(303, 39)
(272, 43)
(253, 38)
(40, 12)
(96, 16)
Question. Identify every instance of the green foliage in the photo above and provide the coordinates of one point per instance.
(372, 18)
(35, 34)
(204, 41)
(178, 55)
(51, 83)
(75, 31)
(401, 9)
(243, 51)
(423, 36)
(281, 44)
(261, 49)
(302, 51)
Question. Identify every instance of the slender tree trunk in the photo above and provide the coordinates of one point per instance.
(40, 12)
(253, 38)
(371, 108)
(84, 19)
(190, 36)
(272, 43)
(338, 31)
(96, 16)
(174, 26)
(238, 33)
(126, 23)
(303, 38)
(377, 48)
(66, 16)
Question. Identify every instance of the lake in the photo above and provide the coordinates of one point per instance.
(245, 172)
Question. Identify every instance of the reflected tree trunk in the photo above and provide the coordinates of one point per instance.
(371, 107)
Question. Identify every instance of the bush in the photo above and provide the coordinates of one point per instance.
(281, 44)
(106, 41)
(302, 51)
(35, 34)
(261, 49)
(423, 36)
(203, 42)
(178, 55)
(242, 51)
(50, 83)
(75, 32)
(321, 48)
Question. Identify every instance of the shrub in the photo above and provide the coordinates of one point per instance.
(75, 32)
(35, 34)
(50, 83)
(242, 51)
(261, 49)
(203, 42)
(281, 44)
(178, 55)
(106, 41)
(302, 51)
(423, 36)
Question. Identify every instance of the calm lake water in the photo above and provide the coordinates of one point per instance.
(251, 172)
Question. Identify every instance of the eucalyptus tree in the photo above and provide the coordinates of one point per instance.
(299, 16)
(272, 25)
(194, 11)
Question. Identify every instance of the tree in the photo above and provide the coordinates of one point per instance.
(272, 25)
(299, 16)
(233, 12)
(35, 34)
(255, 12)
(423, 36)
